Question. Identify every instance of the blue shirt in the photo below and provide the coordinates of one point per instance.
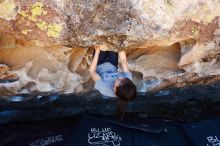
(109, 73)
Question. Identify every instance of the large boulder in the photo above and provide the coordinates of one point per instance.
(169, 43)
(122, 23)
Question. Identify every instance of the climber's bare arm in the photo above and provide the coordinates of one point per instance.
(93, 66)
(123, 61)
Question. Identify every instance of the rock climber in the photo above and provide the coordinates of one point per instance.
(108, 80)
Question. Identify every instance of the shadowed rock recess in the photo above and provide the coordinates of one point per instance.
(170, 45)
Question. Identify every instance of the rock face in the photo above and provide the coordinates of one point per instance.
(169, 43)
(123, 23)
(180, 104)
(6, 76)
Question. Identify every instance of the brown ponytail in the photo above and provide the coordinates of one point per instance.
(121, 106)
(126, 91)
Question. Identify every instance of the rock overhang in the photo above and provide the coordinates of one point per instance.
(166, 42)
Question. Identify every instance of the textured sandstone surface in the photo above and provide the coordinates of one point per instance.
(169, 43)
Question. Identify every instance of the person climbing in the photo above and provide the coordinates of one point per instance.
(108, 80)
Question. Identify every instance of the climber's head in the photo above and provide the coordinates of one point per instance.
(125, 89)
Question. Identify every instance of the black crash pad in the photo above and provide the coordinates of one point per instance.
(204, 133)
(101, 131)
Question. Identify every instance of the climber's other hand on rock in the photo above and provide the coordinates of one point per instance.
(97, 48)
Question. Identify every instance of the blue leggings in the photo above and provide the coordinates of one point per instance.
(108, 56)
